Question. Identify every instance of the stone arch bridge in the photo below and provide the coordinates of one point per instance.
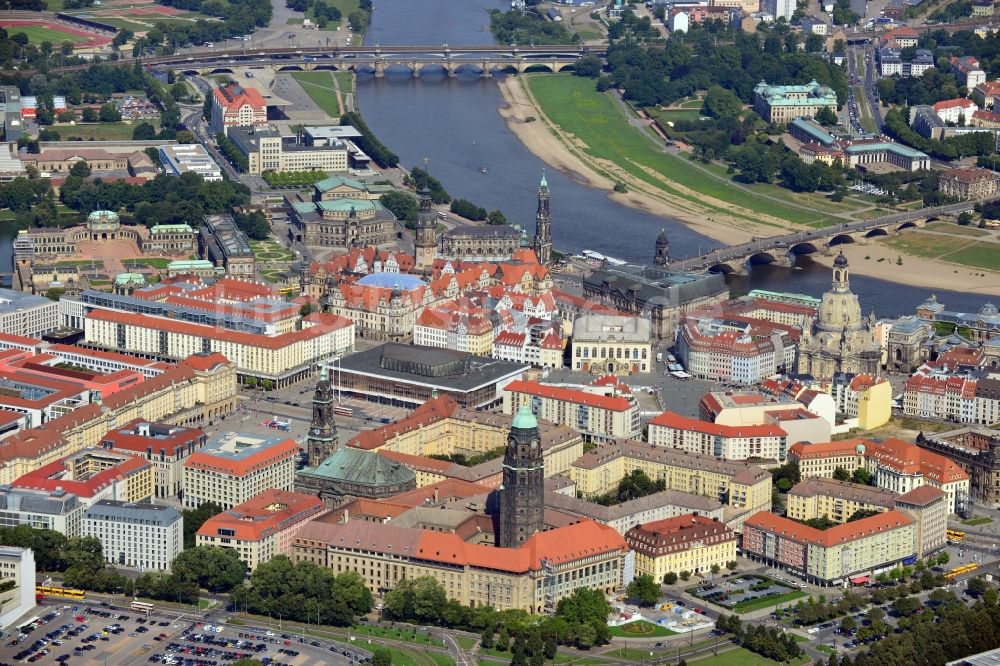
(784, 250)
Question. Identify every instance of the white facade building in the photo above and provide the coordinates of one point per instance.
(27, 315)
(17, 564)
(144, 536)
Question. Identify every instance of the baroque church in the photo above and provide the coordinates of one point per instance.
(841, 340)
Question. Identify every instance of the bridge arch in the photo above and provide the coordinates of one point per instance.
(221, 70)
(761, 258)
(907, 225)
(537, 67)
(290, 68)
(803, 248)
(876, 232)
(725, 269)
(840, 239)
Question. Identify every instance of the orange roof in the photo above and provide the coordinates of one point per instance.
(786, 527)
(921, 495)
(678, 422)
(263, 515)
(444, 490)
(234, 96)
(431, 411)
(50, 477)
(958, 103)
(612, 403)
(19, 339)
(896, 454)
(806, 451)
(329, 322)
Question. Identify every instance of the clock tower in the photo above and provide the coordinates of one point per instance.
(322, 440)
(521, 495)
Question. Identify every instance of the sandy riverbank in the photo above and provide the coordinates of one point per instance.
(542, 139)
(915, 271)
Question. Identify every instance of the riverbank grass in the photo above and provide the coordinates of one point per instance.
(321, 88)
(594, 124)
(964, 251)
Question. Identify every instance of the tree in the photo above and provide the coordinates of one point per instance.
(965, 218)
(685, 575)
(109, 114)
(88, 115)
(848, 624)
(381, 657)
(814, 44)
(404, 206)
(350, 588)
(253, 224)
(644, 589)
(943, 557)
(143, 132)
(54, 293)
(503, 640)
(784, 485)
(583, 606)
(195, 518)
(826, 115)
(496, 217)
(862, 476)
(731, 565)
(976, 586)
(80, 169)
(486, 638)
(589, 66)
(670, 578)
(549, 648)
(716, 569)
(906, 606)
(841, 474)
(213, 568)
(418, 600)
(721, 103)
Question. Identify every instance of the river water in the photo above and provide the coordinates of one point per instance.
(454, 124)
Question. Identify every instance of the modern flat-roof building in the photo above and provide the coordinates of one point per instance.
(599, 417)
(895, 465)
(531, 577)
(780, 104)
(189, 158)
(409, 375)
(685, 543)
(760, 442)
(55, 510)
(27, 315)
(143, 536)
(853, 551)
(261, 527)
(267, 148)
(234, 467)
(739, 484)
(164, 446)
(18, 565)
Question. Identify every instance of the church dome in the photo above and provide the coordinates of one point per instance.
(988, 310)
(840, 261)
(860, 448)
(662, 239)
(524, 419)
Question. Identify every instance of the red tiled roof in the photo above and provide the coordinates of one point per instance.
(235, 95)
(431, 411)
(264, 515)
(677, 422)
(48, 477)
(206, 460)
(921, 495)
(125, 438)
(960, 102)
(613, 403)
(445, 490)
(894, 453)
(788, 528)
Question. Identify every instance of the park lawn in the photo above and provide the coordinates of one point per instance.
(765, 602)
(79, 262)
(123, 24)
(692, 103)
(319, 87)
(119, 131)
(420, 637)
(599, 127)
(653, 630)
(978, 520)
(867, 121)
(37, 34)
(826, 648)
(294, 21)
(962, 251)
(739, 657)
(345, 81)
(957, 229)
(154, 262)
(7, 214)
(664, 116)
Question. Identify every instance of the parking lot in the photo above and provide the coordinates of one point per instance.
(104, 635)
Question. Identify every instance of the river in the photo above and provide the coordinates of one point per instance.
(454, 124)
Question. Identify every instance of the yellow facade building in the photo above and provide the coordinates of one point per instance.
(837, 500)
(739, 484)
(532, 577)
(685, 543)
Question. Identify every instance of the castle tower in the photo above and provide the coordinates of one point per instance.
(841, 275)
(322, 440)
(543, 224)
(521, 495)
(662, 256)
(426, 244)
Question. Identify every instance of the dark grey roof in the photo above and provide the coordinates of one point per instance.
(127, 512)
(485, 231)
(666, 288)
(432, 366)
(55, 503)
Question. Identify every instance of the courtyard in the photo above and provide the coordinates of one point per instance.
(746, 593)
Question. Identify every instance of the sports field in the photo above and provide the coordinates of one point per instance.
(55, 33)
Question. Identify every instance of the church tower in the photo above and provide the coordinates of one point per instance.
(426, 244)
(521, 495)
(543, 224)
(322, 440)
(662, 256)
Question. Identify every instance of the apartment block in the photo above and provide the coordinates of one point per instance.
(686, 543)
(143, 536)
(761, 442)
(234, 467)
(599, 417)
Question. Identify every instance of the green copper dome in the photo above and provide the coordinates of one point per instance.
(545, 183)
(524, 419)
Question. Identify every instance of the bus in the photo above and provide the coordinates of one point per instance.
(341, 410)
(142, 607)
(958, 571)
(955, 535)
(64, 592)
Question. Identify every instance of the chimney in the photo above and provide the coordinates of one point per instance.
(346, 516)
(436, 495)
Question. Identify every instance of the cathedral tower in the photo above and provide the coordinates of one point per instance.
(662, 255)
(543, 224)
(426, 244)
(521, 495)
(322, 440)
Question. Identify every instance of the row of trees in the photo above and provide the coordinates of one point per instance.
(368, 142)
(768, 642)
(515, 27)
(304, 592)
(633, 485)
(973, 143)
(860, 475)
(238, 17)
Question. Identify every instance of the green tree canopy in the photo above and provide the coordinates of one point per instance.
(644, 589)
(213, 568)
